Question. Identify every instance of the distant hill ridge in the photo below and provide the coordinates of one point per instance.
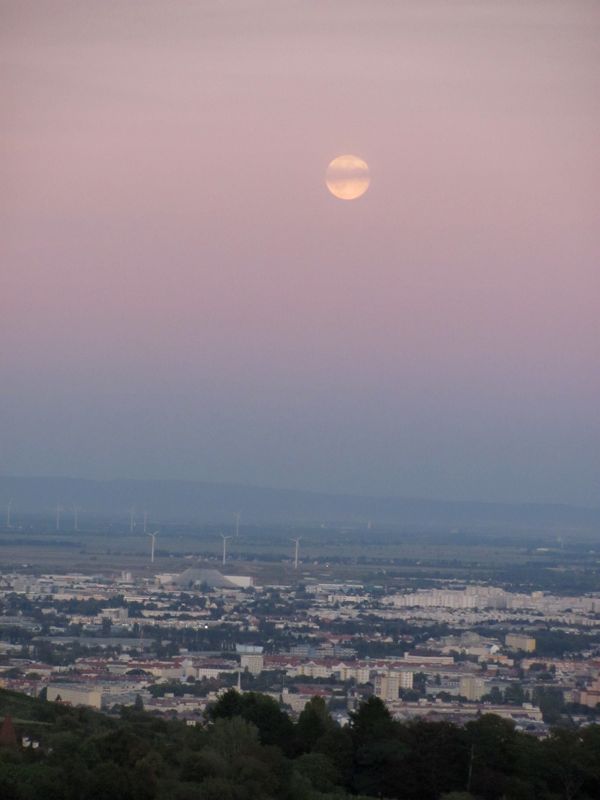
(193, 501)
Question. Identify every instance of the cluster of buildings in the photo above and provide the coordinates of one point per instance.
(111, 642)
(492, 602)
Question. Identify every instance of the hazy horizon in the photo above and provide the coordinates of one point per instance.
(184, 299)
(50, 482)
(249, 485)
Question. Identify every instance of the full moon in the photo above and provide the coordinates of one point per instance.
(347, 177)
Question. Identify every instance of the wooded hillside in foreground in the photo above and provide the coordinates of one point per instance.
(251, 750)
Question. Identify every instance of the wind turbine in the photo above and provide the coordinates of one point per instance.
(131, 519)
(225, 547)
(153, 538)
(145, 521)
(76, 510)
(296, 550)
(237, 516)
(57, 510)
(8, 507)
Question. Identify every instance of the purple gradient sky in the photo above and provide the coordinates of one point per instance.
(181, 297)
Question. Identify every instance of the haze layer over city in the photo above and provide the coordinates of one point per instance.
(299, 433)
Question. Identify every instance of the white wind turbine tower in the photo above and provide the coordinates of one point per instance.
(225, 538)
(237, 516)
(131, 519)
(153, 542)
(76, 510)
(57, 510)
(8, 508)
(296, 551)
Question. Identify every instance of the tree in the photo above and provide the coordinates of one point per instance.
(234, 754)
(493, 750)
(319, 770)
(420, 682)
(233, 737)
(371, 720)
(514, 694)
(337, 745)
(313, 723)
(108, 781)
(207, 763)
(377, 747)
(436, 760)
(274, 725)
(551, 702)
(495, 696)
(8, 736)
(217, 789)
(573, 761)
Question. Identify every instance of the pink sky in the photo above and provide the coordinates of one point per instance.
(181, 297)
